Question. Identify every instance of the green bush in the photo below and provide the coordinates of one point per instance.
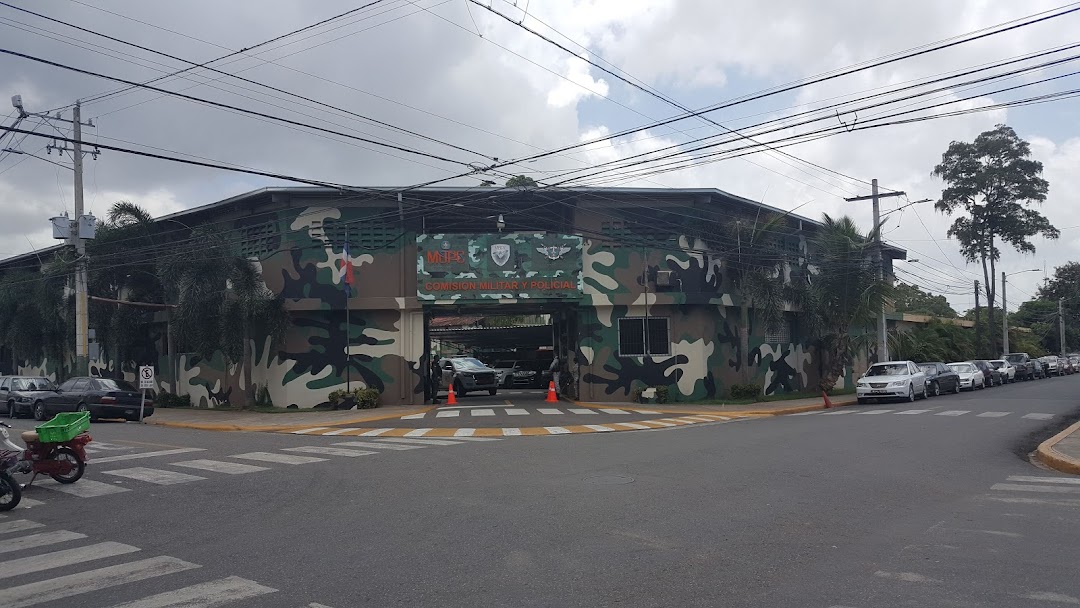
(635, 394)
(262, 396)
(366, 398)
(662, 393)
(745, 391)
(170, 400)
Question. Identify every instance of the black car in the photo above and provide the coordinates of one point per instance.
(19, 393)
(991, 375)
(940, 379)
(532, 374)
(102, 397)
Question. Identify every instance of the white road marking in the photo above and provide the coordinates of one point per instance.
(1047, 489)
(203, 595)
(85, 488)
(417, 432)
(19, 525)
(329, 451)
(698, 418)
(953, 413)
(66, 557)
(374, 433)
(465, 434)
(155, 476)
(613, 411)
(811, 413)
(1031, 479)
(632, 425)
(660, 422)
(278, 458)
(26, 503)
(1038, 416)
(511, 432)
(448, 414)
(578, 410)
(549, 410)
(121, 457)
(466, 438)
(556, 430)
(645, 412)
(599, 428)
(838, 412)
(1060, 502)
(872, 412)
(104, 445)
(910, 577)
(419, 441)
(516, 411)
(912, 412)
(31, 541)
(312, 430)
(92, 580)
(414, 416)
(340, 431)
(381, 446)
(218, 466)
(993, 414)
(483, 412)
(1050, 596)
(675, 420)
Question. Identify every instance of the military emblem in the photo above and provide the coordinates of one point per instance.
(553, 252)
(500, 253)
(446, 245)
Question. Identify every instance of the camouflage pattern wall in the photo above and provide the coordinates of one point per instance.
(299, 248)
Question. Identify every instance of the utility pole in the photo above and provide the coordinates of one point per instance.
(879, 261)
(74, 232)
(978, 327)
(1061, 323)
(1004, 319)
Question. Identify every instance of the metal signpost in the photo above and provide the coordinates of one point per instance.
(146, 380)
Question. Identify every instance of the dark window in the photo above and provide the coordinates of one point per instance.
(640, 336)
(4, 385)
(81, 384)
(67, 385)
(108, 384)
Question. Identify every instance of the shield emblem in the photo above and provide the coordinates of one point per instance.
(500, 253)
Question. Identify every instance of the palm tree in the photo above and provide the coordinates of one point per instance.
(758, 273)
(845, 294)
(36, 316)
(221, 301)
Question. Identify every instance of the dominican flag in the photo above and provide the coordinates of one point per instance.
(347, 271)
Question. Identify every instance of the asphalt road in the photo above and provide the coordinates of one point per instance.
(845, 508)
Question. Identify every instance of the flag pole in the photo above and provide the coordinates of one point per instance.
(348, 326)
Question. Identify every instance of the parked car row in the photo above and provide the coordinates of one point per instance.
(908, 381)
(41, 398)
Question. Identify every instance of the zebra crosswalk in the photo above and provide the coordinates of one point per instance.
(511, 410)
(45, 567)
(931, 412)
(119, 477)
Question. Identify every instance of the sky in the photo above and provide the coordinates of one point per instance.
(462, 74)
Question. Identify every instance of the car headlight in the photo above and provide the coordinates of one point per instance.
(898, 383)
(863, 383)
(23, 399)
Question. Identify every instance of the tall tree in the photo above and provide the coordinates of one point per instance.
(993, 181)
(521, 181)
(911, 299)
(844, 297)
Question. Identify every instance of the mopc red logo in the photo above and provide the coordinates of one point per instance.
(446, 257)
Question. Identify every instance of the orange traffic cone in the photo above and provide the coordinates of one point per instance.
(825, 396)
(451, 396)
(551, 398)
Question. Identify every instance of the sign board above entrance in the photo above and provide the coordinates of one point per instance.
(473, 267)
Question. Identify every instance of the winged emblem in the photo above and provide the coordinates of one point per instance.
(553, 252)
(500, 253)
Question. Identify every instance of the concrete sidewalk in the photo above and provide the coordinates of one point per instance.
(218, 420)
(285, 422)
(1062, 451)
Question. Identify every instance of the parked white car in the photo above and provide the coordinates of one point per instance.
(891, 380)
(1008, 370)
(971, 377)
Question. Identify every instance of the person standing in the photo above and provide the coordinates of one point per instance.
(553, 370)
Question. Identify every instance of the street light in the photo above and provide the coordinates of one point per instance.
(1005, 309)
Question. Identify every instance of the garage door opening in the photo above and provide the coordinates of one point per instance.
(496, 353)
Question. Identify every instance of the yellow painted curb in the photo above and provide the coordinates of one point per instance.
(1055, 459)
(202, 426)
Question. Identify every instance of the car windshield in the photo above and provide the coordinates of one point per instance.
(468, 363)
(33, 384)
(108, 384)
(1014, 358)
(888, 369)
(998, 364)
(929, 369)
(962, 368)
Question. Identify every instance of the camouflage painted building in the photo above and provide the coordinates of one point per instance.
(634, 279)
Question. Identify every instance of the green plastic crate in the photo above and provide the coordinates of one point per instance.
(64, 427)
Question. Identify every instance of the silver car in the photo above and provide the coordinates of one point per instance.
(468, 374)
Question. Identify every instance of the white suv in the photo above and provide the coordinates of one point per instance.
(891, 380)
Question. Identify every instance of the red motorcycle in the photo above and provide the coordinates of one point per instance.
(64, 461)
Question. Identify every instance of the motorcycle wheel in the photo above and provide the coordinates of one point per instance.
(10, 492)
(67, 454)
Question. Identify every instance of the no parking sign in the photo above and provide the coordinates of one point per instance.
(146, 376)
